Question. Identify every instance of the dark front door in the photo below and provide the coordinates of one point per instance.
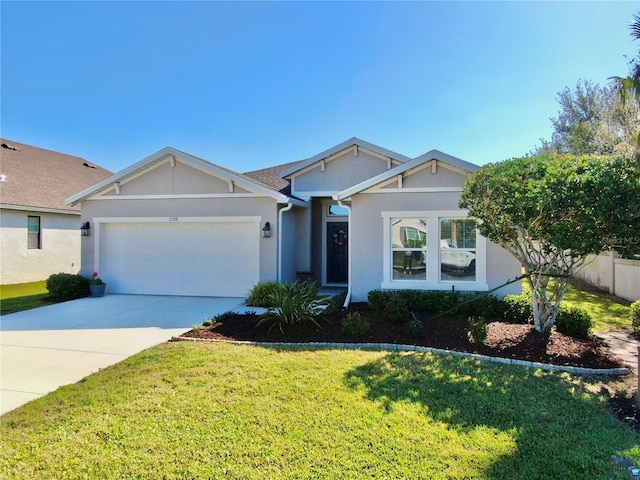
(337, 258)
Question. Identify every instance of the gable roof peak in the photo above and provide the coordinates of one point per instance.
(341, 147)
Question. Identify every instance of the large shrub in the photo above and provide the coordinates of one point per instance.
(517, 309)
(573, 321)
(66, 286)
(635, 315)
(294, 303)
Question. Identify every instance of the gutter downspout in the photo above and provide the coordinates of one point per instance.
(347, 300)
(279, 259)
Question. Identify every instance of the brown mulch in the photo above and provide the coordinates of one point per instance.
(447, 332)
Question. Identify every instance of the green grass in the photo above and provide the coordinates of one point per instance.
(197, 410)
(23, 296)
(606, 311)
(22, 289)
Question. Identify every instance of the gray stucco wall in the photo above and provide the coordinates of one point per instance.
(60, 242)
(367, 240)
(340, 173)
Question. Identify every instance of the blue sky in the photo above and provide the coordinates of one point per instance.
(249, 85)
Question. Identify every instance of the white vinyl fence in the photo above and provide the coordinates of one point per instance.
(618, 276)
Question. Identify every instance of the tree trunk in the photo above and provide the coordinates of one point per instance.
(546, 298)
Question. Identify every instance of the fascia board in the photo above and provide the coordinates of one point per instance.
(31, 208)
(450, 159)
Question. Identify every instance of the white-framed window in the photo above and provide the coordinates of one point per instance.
(458, 249)
(433, 250)
(34, 232)
(409, 248)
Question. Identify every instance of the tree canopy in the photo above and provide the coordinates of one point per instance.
(551, 211)
(594, 120)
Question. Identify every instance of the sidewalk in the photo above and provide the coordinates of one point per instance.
(622, 345)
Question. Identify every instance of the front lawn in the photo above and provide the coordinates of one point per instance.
(23, 296)
(194, 410)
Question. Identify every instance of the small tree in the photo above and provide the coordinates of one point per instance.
(550, 212)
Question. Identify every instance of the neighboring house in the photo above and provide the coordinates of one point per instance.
(355, 215)
(39, 232)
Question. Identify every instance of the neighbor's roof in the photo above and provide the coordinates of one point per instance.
(33, 178)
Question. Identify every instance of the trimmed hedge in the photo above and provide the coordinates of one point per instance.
(436, 301)
(66, 286)
(396, 305)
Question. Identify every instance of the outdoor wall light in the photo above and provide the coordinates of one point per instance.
(84, 229)
(266, 230)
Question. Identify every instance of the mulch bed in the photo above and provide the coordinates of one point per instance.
(450, 332)
(506, 340)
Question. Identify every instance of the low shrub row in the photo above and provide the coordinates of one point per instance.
(434, 301)
(398, 304)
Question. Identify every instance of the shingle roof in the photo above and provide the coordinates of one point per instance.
(271, 176)
(39, 178)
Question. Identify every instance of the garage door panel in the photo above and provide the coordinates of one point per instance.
(204, 258)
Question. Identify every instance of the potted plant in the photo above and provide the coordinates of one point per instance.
(96, 285)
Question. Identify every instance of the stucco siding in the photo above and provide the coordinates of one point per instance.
(180, 179)
(339, 173)
(502, 267)
(60, 242)
(368, 241)
(424, 178)
(289, 246)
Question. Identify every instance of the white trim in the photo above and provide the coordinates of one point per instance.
(306, 195)
(180, 196)
(414, 190)
(28, 208)
(170, 219)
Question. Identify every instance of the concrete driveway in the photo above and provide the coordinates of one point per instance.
(45, 348)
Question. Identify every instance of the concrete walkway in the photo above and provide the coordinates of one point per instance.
(623, 346)
(45, 348)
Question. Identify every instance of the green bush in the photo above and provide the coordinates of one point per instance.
(574, 321)
(517, 309)
(66, 286)
(439, 301)
(294, 303)
(478, 330)
(354, 325)
(415, 328)
(261, 293)
(377, 300)
(635, 315)
(397, 309)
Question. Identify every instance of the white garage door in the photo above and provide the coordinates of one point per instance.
(200, 259)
